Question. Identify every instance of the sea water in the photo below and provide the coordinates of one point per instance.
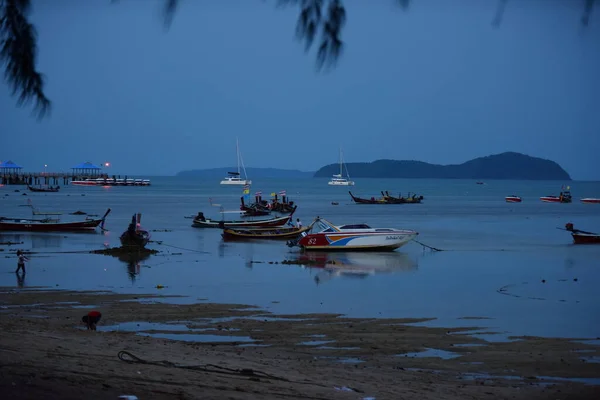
(504, 261)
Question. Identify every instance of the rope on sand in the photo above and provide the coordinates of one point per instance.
(212, 368)
(429, 247)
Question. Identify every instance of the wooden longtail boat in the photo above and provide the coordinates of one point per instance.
(50, 224)
(387, 199)
(410, 199)
(281, 232)
(50, 189)
(582, 237)
(135, 236)
(372, 200)
(201, 222)
(512, 199)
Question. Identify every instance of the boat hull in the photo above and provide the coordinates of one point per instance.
(88, 225)
(550, 199)
(276, 233)
(236, 182)
(586, 238)
(337, 241)
(511, 199)
(340, 183)
(264, 223)
(590, 201)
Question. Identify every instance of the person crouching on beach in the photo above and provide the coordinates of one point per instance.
(21, 261)
(91, 319)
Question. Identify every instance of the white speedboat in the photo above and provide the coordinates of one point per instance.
(356, 237)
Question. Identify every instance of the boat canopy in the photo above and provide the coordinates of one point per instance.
(325, 226)
(233, 173)
(355, 226)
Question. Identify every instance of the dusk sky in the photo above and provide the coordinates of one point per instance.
(436, 83)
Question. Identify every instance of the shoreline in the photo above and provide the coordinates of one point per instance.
(45, 350)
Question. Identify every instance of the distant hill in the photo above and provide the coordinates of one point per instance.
(507, 165)
(252, 173)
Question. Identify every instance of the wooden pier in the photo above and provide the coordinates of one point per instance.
(46, 178)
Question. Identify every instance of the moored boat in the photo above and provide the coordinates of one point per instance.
(372, 200)
(513, 199)
(411, 198)
(135, 236)
(50, 224)
(275, 233)
(48, 189)
(590, 200)
(352, 237)
(563, 197)
(582, 237)
(200, 221)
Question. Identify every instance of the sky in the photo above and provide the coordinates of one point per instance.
(435, 83)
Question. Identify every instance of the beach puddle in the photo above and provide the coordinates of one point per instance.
(149, 326)
(537, 380)
(337, 348)
(342, 360)
(431, 353)
(314, 342)
(186, 337)
(468, 344)
(254, 345)
(173, 332)
(591, 359)
(251, 317)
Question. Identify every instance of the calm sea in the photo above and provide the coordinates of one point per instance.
(503, 261)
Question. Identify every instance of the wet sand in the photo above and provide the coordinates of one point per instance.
(46, 353)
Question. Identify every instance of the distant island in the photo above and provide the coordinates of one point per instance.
(509, 165)
(252, 173)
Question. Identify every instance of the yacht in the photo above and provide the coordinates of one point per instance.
(234, 178)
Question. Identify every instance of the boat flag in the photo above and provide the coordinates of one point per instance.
(282, 193)
(258, 194)
(273, 194)
(246, 191)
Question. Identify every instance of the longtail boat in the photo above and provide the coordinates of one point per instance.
(372, 200)
(279, 232)
(50, 224)
(564, 197)
(410, 199)
(582, 237)
(512, 199)
(135, 236)
(200, 221)
(50, 189)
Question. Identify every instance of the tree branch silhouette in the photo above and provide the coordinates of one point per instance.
(324, 19)
(18, 48)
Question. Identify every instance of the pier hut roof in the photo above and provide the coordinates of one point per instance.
(9, 165)
(86, 165)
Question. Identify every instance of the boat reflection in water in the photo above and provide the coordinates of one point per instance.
(354, 264)
(33, 240)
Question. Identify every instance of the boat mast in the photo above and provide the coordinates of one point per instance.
(241, 161)
(341, 174)
(237, 151)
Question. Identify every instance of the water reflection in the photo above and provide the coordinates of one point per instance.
(355, 265)
(20, 279)
(33, 240)
(133, 262)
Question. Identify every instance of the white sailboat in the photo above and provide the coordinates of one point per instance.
(338, 179)
(234, 177)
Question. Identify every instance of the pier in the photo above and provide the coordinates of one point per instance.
(12, 174)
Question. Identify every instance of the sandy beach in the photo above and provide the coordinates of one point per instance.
(47, 353)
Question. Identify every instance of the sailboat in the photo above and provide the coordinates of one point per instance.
(338, 179)
(234, 177)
